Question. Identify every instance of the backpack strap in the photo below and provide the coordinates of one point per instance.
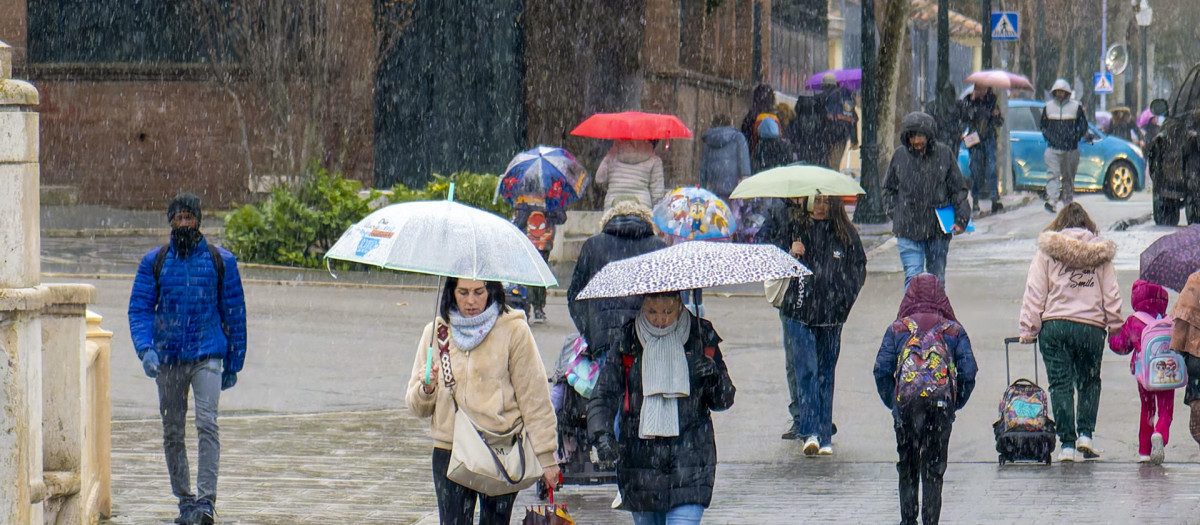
(159, 259)
(1145, 317)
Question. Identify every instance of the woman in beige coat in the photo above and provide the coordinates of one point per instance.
(1071, 300)
(496, 376)
(1185, 339)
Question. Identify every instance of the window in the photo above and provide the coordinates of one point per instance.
(1024, 119)
(113, 31)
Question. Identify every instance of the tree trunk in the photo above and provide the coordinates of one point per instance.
(892, 31)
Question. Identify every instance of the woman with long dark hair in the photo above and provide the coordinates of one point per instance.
(812, 315)
(495, 375)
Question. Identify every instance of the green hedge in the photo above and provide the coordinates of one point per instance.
(295, 226)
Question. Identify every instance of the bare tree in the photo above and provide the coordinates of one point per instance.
(280, 63)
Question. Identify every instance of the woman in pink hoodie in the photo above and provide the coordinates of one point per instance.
(1071, 298)
(1152, 436)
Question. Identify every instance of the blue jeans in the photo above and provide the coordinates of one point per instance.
(984, 182)
(681, 515)
(812, 353)
(924, 256)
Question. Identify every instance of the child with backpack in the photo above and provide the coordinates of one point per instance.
(1159, 371)
(925, 372)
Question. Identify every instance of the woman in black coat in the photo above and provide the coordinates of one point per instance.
(661, 381)
(812, 316)
(627, 232)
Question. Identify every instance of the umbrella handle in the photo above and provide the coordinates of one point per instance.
(450, 194)
(329, 268)
(428, 363)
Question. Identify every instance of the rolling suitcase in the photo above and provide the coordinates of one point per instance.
(1024, 430)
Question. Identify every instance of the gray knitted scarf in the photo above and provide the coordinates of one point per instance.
(468, 332)
(664, 375)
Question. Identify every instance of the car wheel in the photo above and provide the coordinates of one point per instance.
(1166, 211)
(1118, 181)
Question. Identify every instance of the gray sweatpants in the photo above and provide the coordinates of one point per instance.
(204, 380)
(1061, 167)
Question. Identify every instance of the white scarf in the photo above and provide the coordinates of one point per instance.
(468, 332)
(665, 376)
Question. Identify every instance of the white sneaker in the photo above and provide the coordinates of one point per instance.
(616, 504)
(826, 450)
(1143, 459)
(1157, 453)
(1085, 450)
(811, 446)
(1066, 454)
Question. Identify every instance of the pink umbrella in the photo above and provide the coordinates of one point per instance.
(1144, 118)
(996, 78)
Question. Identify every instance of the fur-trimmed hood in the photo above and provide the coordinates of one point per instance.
(1077, 248)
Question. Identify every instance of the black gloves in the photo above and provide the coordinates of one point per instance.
(704, 367)
(606, 450)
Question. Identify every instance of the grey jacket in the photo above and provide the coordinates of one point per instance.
(726, 159)
(917, 184)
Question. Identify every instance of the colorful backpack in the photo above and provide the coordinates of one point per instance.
(925, 371)
(1155, 365)
(766, 126)
(1024, 407)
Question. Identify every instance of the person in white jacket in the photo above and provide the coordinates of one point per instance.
(631, 171)
(1072, 301)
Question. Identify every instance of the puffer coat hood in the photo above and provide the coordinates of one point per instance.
(1149, 297)
(921, 123)
(1072, 278)
(726, 158)
(1077, 248)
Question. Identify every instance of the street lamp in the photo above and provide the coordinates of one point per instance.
(1143, 14)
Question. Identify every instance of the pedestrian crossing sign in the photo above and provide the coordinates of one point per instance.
(1005, 25)
(1103, 83)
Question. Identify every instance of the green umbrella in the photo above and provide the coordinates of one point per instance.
(796, 180)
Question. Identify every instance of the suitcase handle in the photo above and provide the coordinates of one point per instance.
(1007, 367)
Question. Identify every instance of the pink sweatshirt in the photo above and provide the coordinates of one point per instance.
(1072, 279)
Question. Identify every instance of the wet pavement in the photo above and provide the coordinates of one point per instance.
(314, 431)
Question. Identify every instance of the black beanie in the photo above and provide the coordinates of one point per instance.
(184, 202)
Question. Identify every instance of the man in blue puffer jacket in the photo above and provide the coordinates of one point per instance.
(187, 316)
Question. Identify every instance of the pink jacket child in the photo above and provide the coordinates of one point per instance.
(1152, 436)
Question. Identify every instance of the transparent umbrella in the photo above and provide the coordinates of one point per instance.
(444, 238)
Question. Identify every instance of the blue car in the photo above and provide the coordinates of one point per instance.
(1108, 164)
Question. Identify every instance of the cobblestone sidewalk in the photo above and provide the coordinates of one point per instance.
(373, 468)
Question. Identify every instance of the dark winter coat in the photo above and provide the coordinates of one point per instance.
(917, 184)
(841, 120)
(977, 114)
(726, 159)
(656, 475)
(839, 270)
(181, 318)
(806, 131)
(600, 321)
(928, 307)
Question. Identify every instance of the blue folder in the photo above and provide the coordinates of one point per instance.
(946, 219)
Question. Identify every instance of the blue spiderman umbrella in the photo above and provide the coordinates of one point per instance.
(543, 177)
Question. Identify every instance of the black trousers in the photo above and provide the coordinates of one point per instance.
(537, 294)
(456, 503)
(921, 440)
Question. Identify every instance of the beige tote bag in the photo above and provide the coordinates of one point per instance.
(491, 463)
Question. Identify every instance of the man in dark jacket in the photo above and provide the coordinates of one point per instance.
(923, 429)
(1064, 123)
(983, 119)
(923, 177)
(726, 159)
(841, 120)
(187, 318)
(627, 232)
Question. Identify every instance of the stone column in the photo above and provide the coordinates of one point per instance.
(21, 485)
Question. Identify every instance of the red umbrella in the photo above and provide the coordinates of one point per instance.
(633, 125)
(1000, 79)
